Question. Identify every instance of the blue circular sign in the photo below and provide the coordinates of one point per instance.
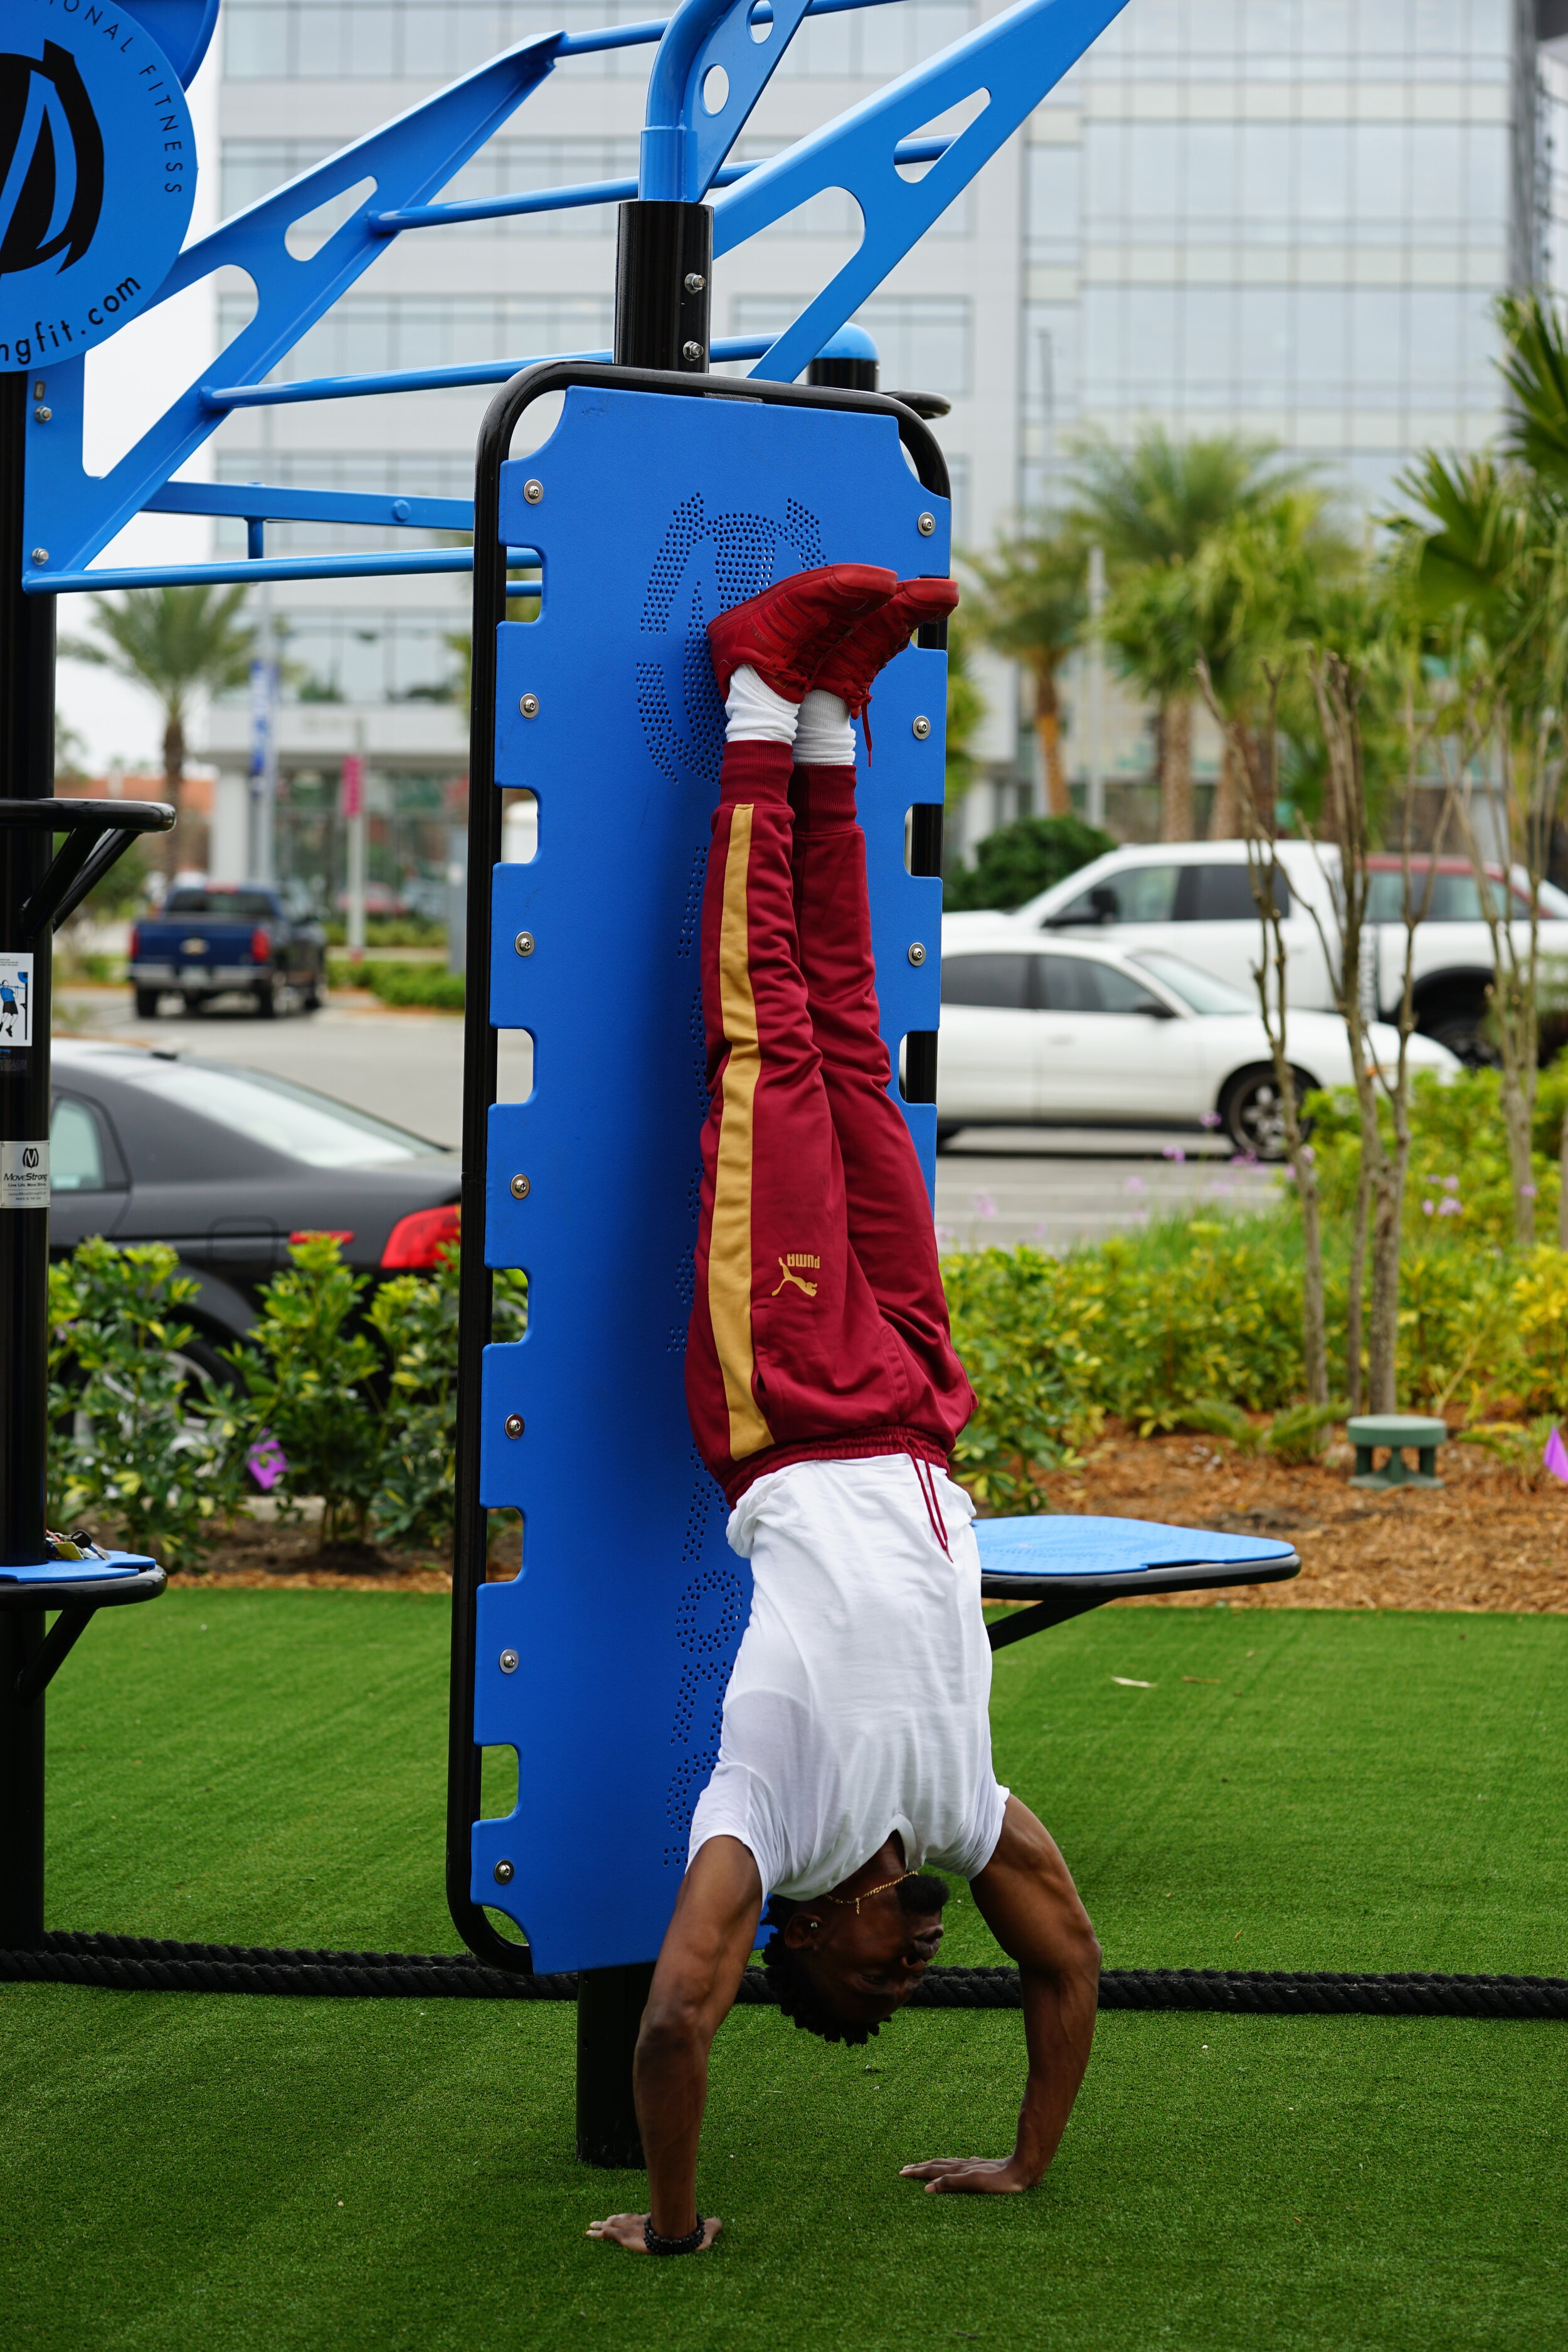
(98, 168)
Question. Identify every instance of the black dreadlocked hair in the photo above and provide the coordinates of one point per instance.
(798, 1998)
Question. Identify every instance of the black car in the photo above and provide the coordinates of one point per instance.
(227, 1165)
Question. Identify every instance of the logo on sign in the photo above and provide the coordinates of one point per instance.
(98, 165)
(51, 151)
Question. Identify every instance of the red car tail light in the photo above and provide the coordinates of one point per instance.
(415, 1242)
(135, 944)
(261, 946)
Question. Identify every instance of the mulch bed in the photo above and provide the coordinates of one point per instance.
(1485, 1540)
(1488, 1539)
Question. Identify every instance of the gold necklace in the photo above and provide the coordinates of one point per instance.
(844, 1901)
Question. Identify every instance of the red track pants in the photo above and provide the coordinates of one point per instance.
(819, 1330)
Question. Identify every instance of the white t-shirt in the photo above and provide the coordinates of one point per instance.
(859, 1701)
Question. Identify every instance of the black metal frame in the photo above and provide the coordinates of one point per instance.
(470, 1531)
(1060, 1599)
(38, 888)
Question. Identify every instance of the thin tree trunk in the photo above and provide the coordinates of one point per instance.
(1048, 728)
(1224, 817)
(1356, 1285)
(173, 790)
(1383, 1337)
(1563, 1185)
(1177, 770)
(1517, 1122)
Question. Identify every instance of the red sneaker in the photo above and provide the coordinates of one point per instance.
(786, 631)
(849, 666)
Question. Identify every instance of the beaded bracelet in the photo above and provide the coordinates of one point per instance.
(689, 2244)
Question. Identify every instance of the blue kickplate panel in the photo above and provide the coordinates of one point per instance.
(1066, 1545)
(604, 1664)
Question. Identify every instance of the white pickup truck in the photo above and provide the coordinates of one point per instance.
(1195, 899)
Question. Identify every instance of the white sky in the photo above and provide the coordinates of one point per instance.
(130, 380)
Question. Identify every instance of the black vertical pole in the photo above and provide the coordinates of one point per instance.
(925, 818)
(664, 270)
(26, 772)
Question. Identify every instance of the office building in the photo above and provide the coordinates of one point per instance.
(1284, 217)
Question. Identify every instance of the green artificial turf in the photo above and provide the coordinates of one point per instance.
(190, 2174)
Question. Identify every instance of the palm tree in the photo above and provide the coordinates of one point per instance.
(174, 642)
(1034, 606)
(1151, 507)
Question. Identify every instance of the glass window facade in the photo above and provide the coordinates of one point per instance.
(252, 168)
(1290, 218)
(366, 334)
(432, 40)
(923, 340)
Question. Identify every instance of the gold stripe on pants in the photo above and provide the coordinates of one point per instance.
(730, 1238)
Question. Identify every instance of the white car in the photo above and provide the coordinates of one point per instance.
(1195, 899)
(1050, 1032)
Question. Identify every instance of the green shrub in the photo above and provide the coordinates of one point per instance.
(390, 931)
(425, 986)
(416, 1318)
(142, 1443)
(307, 1370)
(1019, 860)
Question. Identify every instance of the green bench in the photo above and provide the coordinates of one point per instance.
(1400, 1432)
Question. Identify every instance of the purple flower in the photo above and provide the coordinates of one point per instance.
(1308, 1154)
(945, 1236)
(1210, 1119)
(1427, 1208)
(267, 1462)
(1449, 1183)
(1173, 1152)
(985, 1206)
(1529, 1192)
(1135, 1184)
(1451, 1207)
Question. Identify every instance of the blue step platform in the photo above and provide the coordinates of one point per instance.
(1068, 1565)
(95, 1566)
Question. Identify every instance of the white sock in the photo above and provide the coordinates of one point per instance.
(825, 736)
(753, 713)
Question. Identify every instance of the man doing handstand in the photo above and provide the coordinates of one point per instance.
(825, 1398)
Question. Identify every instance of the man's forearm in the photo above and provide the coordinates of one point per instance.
(671, 2085)
(1058, 2029)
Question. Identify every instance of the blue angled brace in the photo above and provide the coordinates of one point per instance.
(73, 514)
(1015, 59)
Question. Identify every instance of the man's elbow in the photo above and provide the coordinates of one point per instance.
(671, 2028)
(1072, 1963)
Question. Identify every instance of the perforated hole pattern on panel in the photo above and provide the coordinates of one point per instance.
(745, 558)
(708, 1626)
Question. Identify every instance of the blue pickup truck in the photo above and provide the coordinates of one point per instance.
(211, 938)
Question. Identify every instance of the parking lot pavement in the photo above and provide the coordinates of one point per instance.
(994, 1185)
(402, 1066)
(1053, 1187)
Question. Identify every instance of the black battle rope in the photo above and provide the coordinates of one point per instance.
(146, 1964)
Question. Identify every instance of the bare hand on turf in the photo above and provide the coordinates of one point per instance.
(969, 2176)
(626, 2229)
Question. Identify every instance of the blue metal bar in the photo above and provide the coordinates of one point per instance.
(596, 192)
(611, 37)
(454, 379)
(1008, 64)
(256, 537)
(75, 514)
(636, 36)
(269, 502)
(271, 567)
